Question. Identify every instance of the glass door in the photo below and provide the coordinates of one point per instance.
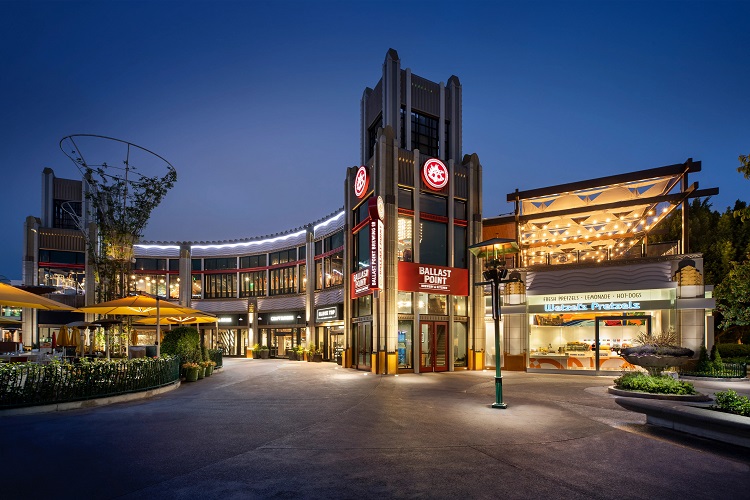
(363, 346)
(434, 346)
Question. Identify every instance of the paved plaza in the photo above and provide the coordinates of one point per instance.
(284, 429)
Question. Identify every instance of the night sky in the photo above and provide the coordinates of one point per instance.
(256, 104)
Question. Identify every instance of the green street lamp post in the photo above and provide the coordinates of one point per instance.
(494, 274)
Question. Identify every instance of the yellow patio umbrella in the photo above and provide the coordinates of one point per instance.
(178, 320)
(15, 297)
(62, 336)
(141, 305)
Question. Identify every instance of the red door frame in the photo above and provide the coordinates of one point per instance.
(432, 332)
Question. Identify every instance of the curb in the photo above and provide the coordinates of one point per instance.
(695, 420)
(89, 403)
(692, 398)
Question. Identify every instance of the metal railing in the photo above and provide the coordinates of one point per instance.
(30, 384)
(729, 370)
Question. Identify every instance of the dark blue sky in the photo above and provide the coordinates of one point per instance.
(257, 103)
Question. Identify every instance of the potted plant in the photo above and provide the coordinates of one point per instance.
(657, 352)
(201, 370)
(315, 355)
(264, 352)
(209, 367)
(299, 353)
(191, 371)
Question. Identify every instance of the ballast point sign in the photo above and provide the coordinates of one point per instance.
(415, 277)
(361, 283)
(435, 174)
(361, 182)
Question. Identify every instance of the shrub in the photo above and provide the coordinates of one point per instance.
(637, 381)
(731, 402)
(657, 350)
(734, 350)
(184, 342)
(704, 364)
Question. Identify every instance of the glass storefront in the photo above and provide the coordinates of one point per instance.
(362, 337)
(404, 349)
(460, 338)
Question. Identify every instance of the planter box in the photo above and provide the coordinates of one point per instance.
(655, 361)
(264, 353)
(692, 419)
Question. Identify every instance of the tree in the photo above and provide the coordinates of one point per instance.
(744, 169)
(733, 302)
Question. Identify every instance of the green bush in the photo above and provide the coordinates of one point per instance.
(637, 381)
(657, 350)
(734, 350)
(183, 341)
(731, 402)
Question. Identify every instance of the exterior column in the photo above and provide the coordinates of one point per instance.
(310, 335)
(186, 275)
(416, 343)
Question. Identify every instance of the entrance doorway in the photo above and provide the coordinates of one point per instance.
(434, 346)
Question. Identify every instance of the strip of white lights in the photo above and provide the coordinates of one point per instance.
(246, 243)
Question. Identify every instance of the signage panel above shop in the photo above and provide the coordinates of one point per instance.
(622, 301)
(361, 182)
(435, 174)
(427, 278)
(377, 231)
(360, 283)
(327, 314)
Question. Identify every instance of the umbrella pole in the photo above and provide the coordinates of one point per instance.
(106, 341)
(158, 329)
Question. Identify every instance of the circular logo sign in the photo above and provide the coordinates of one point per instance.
(381, 208)
(361, 182)
(435, 174)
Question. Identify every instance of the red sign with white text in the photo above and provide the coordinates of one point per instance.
(426, 278)
(361, 182)
(435, 174)
(360, 284)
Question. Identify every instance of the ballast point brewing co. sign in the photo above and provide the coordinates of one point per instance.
(361, 182)
(435, 174)
(415, 277)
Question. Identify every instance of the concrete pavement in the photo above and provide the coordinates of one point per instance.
(284, 429)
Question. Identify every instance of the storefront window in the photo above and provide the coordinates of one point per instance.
(460, 336)
(150, 265)
(283, 280)
(253, 284)
(404, 303)
(405, 232)
(405, 342)
(319, 274)
(197, 285)
(220, 286)
(252, 261)
(221, 263)
(405, 199)
(334, 269)
(363, 345)
(302, 278)
(459, 305)
(362, 249)
(174, 286)
(433, 242)
(459, 247)
(362, 306)
(154, 284)
(432, 303)
(568, 341)
(66, 280)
